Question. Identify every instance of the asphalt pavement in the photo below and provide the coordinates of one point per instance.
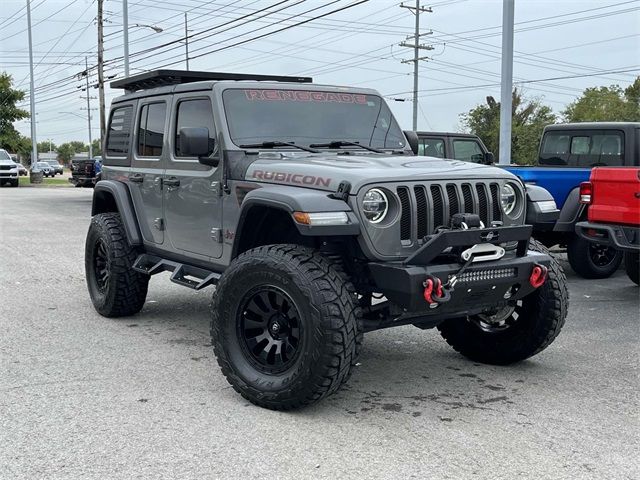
(83, 396)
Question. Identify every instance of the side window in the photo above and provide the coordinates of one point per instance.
(467, 150)
(607, 148)
(194, 113)
(555, 149)
(151, 129)
(119, 132)
(431, 147)
(580, 145)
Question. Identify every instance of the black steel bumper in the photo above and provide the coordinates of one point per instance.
(622, 237)
(481, 286)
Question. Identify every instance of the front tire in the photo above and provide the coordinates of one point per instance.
(591, 260)
(632, 266)
(510, 336)
(116, 290)
(285, 326)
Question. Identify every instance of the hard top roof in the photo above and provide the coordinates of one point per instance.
(591, 125)
(162, 78)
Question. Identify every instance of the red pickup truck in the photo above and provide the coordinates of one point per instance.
(613, 199)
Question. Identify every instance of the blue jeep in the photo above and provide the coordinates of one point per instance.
(567, 154)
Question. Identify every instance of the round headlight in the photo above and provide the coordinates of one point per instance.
(375, 205)
(508, 199)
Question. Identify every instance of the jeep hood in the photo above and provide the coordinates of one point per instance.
(325, 172)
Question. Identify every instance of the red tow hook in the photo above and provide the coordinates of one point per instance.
(434, 292)
(538, 276)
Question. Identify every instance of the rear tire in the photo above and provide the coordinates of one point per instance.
(116, 290)
(540, 317)
(590, 260)
(317, 318)
(632, 266)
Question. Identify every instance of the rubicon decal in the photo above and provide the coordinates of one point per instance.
(294, 178)
(305, 96)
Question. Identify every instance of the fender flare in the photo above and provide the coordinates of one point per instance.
(541, 220)
(572, 212)
(104, 191)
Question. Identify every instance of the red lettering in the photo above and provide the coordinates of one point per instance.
(323, 181)
(296, 179)
(332, 97)
(253, 94)
(360, 99)
(272, 94)
(303, 96)
(258, 174)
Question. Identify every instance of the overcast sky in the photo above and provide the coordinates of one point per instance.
(357, 46)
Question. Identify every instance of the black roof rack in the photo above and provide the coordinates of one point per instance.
(161, 78)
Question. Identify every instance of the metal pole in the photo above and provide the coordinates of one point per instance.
(186, 40)
(86, 63)
(507, 82)
(101, 68)
(416, 60)
(125, 22)
(32, 95)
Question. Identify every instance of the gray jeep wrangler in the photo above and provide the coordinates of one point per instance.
(307, 208)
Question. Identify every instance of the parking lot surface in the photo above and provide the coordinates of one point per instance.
(83, 396)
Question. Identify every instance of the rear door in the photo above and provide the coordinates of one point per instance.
(193, 201)
(147, 167)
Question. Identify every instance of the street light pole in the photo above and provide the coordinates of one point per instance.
(186, 40)
(125, 22)
(86, 62)
(32, 99)
(507, 82)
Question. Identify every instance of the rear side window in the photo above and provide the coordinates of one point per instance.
(467, 150)
(119, 132)
(151, 129)
(431, 147)
(583, 149)
(194, 113)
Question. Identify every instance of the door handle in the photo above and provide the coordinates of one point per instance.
(171, 182)
(137, 178)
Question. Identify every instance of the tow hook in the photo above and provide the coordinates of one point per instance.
(538, 275)
(436, 293)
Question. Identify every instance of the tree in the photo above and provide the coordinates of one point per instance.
(79, 146)
(606, 104)
(45, 146)
(529, 118)
(66, 151)
(95, 146)
(10, 138)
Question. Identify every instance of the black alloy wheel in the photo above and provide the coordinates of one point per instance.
(602, 255)
(101, 266)
(269, 329)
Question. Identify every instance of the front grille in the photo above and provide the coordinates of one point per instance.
(5, 167)
(486, 274)
(426, 207)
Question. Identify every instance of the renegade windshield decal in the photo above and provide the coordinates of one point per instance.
(306, 96)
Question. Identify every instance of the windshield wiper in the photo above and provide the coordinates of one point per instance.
(345, 143)
(276, 143)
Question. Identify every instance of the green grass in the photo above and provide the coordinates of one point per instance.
(45, 181)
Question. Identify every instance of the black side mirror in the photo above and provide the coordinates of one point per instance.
(489, 158)
(412, 138)
(195, 142)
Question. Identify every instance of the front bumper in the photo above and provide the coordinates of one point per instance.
(482, 286)
(621, 237)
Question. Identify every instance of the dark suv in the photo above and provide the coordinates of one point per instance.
(306, 207)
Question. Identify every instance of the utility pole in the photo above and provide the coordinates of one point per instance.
(506, 88)
(86, 62)
(125, 23)
(101, 67)
(417, 10)
(186, 40)
(37, 178)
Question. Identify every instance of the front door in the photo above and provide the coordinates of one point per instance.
(148, 164)
(193, 201)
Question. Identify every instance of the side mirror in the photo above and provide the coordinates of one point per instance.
(489, 158)
(195, 142)
(412, 138)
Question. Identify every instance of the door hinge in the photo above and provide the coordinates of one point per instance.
(159, 224)
(216, 235)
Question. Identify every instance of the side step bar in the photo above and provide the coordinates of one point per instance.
(185, 275)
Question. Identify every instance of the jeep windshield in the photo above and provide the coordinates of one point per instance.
(306, 117)
(4, 155)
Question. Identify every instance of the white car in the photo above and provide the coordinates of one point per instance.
(8, 170)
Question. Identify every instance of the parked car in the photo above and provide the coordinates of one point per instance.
(57, 168)
(46, 169)
(303, 203)
(83, 173)
(8, 170)
(567, 154)
(458, 146)
(612, 197)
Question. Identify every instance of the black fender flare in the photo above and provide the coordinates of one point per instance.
(572, 212)
(541, 220)
(109, 196)
(295, 199)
